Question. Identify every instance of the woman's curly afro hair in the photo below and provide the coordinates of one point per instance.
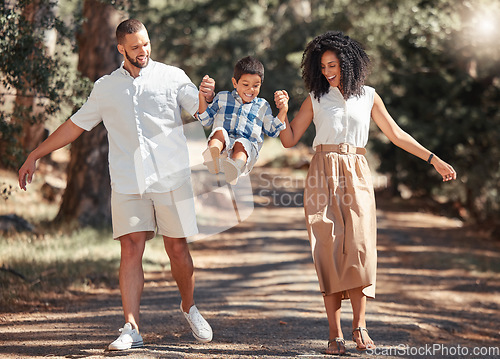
(354, 64)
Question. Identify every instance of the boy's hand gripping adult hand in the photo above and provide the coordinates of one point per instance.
(281, 99)
(207, 88)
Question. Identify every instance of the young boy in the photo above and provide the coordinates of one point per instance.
(240, 120)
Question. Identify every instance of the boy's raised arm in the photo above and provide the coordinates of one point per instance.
(281, 99)
(206, 93)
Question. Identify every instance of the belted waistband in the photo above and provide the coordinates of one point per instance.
(343, 149)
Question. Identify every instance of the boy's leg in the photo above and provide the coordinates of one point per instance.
(212, 154)
(239, 152)
(217, 140)
(234, 166)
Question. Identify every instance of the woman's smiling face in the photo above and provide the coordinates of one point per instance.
(330, 68)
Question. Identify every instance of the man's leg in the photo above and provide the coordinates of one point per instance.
(181, 265)
(132, 275)
(131, 285)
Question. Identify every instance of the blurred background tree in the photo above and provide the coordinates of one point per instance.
(435, 64)
(86, 201)
(37, 77)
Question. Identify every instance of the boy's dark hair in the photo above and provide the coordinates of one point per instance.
(248, 65)
(130, 26)
(354, 64)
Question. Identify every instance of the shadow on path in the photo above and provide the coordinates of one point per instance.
(257, 286)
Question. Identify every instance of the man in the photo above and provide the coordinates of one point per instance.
(140, 106)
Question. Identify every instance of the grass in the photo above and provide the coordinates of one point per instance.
(50, 264)
(40, 268)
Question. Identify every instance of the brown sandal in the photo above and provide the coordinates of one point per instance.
(340, 346)
(367, 346)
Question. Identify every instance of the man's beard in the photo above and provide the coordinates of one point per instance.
(135, 62)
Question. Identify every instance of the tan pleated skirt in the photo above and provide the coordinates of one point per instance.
(339, 205)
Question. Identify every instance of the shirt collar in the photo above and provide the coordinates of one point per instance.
(238, 98)
(335, 91)
(142, 71)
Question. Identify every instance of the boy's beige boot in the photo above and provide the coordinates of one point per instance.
(233, 169)
(211, 159)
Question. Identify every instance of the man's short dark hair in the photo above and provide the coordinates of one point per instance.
(130, 26)
(248, 65)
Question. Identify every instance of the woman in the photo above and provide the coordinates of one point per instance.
(339, 201)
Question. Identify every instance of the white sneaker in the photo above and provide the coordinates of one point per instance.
(199, 326)
(129, 338)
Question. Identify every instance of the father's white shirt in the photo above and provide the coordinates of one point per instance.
(147, 147)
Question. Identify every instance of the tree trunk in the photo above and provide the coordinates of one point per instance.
(30, 110)
(86, 200)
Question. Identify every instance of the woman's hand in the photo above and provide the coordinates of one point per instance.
(281, 99)
(444, 169)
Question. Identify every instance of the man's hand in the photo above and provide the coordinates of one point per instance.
(207, 88)
(26, 172)
(65, 134)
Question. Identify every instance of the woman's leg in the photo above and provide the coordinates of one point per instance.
(333, 308)
(358, 302)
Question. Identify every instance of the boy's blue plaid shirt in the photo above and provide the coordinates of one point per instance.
(249, 120)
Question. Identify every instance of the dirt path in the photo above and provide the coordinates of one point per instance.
(438, 288)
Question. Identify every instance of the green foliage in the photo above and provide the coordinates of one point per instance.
(422, 54)
(435, 64)
(29, 72)
(443, 88)
(424, 58)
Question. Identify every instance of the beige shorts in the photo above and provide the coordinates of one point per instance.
(170, 214)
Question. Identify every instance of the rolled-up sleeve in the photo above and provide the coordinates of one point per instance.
(207, 118)
(187, 97)
(272, 125)
(88, 116)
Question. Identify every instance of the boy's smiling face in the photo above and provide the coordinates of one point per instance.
(248, 86)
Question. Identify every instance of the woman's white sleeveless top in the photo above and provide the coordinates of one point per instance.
(339, 121)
